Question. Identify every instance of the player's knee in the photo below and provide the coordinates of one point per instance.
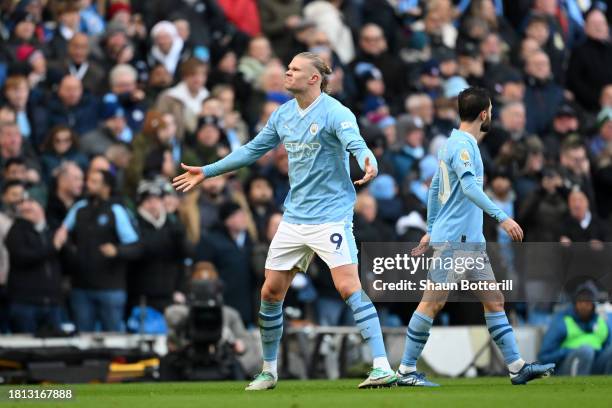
(346, 289)
(431, 308)
(494, 302)
(271, 294)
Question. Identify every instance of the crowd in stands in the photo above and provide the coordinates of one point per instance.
(101, 100)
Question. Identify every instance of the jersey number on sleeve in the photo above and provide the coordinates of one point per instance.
(444, 190)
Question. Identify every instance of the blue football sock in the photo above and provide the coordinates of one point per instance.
(366, 319)
(416, 338)
(503, 336)
(270, 328)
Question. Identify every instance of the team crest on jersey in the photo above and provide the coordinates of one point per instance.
(314, 128)
(464, 155)
(103, 220)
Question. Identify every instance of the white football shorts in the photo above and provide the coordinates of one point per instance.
(294, 245)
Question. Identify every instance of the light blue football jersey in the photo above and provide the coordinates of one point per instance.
(318, 141)
(458, 218)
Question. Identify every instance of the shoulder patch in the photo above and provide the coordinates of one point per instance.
(464, 155)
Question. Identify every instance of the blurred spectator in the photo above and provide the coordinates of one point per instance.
(604, 137)
(184, 101)
(168, 47)
(102, 241)
(542, 31)
(61, 145)
(329, 19)
(602, 179)
(79, 64)
(158, 134)
(564, 123)
(582, 225)
(575, 167)
(112, 130)
(411, 139)
(373, 49)
(236, 128)
(367, 226)
(578, 339)
(35, 282)
(73, 108)
(67, 188)
(69, 23)
(125, 92)
(384, 190)
(30, 117)
(210, 142)
(229, 248)
(258, 55)
(542, 96)
(260, 198)
(542, 212)
(278, 17)
(157, 277)
(584, 77)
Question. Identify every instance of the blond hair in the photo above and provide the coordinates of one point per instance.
(320, 65)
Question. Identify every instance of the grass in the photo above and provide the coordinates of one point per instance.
(583, 392)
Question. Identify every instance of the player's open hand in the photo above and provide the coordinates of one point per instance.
(422, 247)
(370, 173)
(192, 177)
(513, 229)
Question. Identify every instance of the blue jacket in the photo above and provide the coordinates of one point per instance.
(551, 351)
(542, 100)
(81, 118)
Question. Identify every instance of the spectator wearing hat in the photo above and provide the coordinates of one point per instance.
(229, 248)
(211, 142)
(471, 64)
(582, 225)
(35, 280)
(124, 91)
(72, 107)
(542, 95)
(23, 39)
(584, 77)
(565, 123)
(158, 276)
(603, 138)
(168, 47)
(430, 81)
(79, 64)
(578, 339)
(184, 101)
(542, 211)
(102, 240)
(111, 130)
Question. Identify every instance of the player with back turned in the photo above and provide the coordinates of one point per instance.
(318, 133)
(454, 229)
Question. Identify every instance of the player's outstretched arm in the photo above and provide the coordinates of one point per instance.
(193, 176)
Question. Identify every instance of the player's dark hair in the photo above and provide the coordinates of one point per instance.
(319, 65)
(472, 101)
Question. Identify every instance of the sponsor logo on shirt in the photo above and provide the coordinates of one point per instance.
(301, 150)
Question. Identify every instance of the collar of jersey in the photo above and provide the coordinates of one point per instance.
(310, 107)
(466, 135)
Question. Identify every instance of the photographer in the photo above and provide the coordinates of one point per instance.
(205, 336)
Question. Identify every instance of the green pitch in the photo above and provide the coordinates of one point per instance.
(584, 392)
